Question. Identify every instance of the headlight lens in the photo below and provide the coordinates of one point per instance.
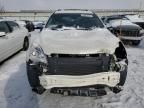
(142, 32)
(36, 54)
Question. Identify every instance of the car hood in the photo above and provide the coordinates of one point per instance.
(128, 27)
(123, 23)
(134, 18)
(78, 41)
(137, 20)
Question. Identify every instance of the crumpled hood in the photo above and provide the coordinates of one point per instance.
(78, 41)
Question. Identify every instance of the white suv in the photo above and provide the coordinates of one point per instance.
(76, 51)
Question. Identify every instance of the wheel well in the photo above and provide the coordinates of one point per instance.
(26, 38)
(25, 43)
(120, 52)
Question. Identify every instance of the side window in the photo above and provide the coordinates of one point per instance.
(13, 25)
(4, 27)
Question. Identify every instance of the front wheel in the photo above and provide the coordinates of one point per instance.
(33, 79)
(25, 44)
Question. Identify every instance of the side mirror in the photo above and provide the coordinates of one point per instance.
(2, 34)
(110, 28)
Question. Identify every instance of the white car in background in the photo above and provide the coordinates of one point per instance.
(38, 24)
(21, 23)
(12, 38)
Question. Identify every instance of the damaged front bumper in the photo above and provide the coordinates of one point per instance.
(60, 77)
(110, 79)
(79, 70)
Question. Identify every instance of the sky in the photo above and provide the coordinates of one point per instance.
(70, 4)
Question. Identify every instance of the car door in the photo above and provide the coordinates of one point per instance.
(5, 42)
(17, 35)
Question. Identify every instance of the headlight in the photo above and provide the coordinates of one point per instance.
(142, 32)
(36, 54)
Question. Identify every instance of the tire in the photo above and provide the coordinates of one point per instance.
(32, 74)
(39, 90)
(26, 44)
(115, 90)
(33, 79)
(118, 88)
(137, 42)
(123, 76)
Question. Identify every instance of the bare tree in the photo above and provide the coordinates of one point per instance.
(2, 10)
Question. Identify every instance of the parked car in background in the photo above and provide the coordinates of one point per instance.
(29, 25)
(75, 50)
(12, 38)
(122, 27)
(26, 23)
(135, 19)
(21, 23)
(38, 24)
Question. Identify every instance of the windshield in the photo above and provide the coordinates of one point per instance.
(78, 21)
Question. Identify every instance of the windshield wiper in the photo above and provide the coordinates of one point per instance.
(86, 28)
(55, 27)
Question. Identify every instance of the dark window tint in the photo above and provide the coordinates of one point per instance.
(4, 27)
(13, 24)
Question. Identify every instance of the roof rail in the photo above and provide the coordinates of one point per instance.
(73, 9)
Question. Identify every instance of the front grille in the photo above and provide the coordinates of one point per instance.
(132, 33)
(78, 64)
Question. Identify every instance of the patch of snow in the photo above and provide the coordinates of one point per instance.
(134, 18)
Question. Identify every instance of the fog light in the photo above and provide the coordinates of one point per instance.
(45, 70)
